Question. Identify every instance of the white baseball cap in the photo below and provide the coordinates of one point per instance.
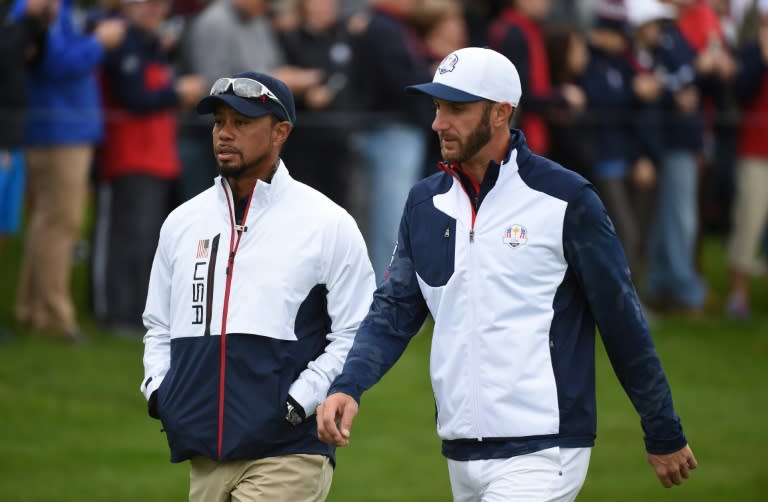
(472, 74)
(640, 12)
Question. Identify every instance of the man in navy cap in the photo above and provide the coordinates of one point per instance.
(257, 289)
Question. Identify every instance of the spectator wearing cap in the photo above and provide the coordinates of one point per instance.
(517, 261)
(258, 287)
(623, 117)
(672, 281)
(137, 164)
(64, 123)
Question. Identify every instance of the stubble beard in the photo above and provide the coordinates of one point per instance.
(476, 140)
(236, 172)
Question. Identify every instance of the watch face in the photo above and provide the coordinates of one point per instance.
(293, 417)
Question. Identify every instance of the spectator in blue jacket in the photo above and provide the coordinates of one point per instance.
(64, 124)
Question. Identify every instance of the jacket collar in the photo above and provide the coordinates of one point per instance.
(263, 193)
(517, 153)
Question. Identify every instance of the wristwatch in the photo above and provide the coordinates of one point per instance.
(295, 413)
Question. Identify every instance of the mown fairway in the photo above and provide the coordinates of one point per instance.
(74, 425)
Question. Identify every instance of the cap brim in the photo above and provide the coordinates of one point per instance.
(241, 105)
(442, 91)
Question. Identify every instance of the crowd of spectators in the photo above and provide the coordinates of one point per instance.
(663, 105)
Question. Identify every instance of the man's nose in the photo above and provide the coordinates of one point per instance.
(439, 123)
(224, 130)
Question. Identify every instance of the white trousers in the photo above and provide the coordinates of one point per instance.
(551, 475)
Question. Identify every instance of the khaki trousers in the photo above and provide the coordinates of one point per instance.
(750, 213)
(58, 185)
(288, 478)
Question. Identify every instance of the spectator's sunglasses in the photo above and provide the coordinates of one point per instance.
(247, 88)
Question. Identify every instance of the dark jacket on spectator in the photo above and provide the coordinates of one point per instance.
(608, 86)
(18, 38)
(675, 58)
(385, 62)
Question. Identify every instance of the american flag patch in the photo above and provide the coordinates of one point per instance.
(202, 248)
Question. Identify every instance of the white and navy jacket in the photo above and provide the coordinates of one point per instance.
(243, 311)
(516, 272)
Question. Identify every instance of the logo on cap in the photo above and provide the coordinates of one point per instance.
(448, 64)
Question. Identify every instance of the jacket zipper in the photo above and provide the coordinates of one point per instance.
(235, 230)
(473, 203)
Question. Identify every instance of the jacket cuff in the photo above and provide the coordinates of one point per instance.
(352, 391)
(298, 407)
(663, 435)
(150, 385)
(152, 406)
(665, 446)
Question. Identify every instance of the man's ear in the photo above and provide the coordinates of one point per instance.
(502, 114)
(280, 132)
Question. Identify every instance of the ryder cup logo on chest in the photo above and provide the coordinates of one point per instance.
(448, 64)
(515, 236)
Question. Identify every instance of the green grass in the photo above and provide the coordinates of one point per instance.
(74, 425)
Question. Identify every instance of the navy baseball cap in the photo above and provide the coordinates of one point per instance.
(472, 74)
(253, 94)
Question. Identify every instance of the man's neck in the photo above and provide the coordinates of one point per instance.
(243, 186)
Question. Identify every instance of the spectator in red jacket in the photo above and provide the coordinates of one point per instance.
(138, 162)
(517, 33)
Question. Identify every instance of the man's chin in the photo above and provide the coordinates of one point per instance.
(229, 171)
(449, 155)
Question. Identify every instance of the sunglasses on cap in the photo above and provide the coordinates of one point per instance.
(247, 88)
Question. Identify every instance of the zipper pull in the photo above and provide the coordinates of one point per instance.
(447, 233)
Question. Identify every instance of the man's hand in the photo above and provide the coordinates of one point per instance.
(334, 419)
(190, 89)
(672, 468)
(110, 32)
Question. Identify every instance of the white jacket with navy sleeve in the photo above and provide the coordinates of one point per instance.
(516, 276)
(241, 317)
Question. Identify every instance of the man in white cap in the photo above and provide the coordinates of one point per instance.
(517, 261)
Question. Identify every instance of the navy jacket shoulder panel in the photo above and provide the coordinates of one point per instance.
(424, 190)
(544, 175)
